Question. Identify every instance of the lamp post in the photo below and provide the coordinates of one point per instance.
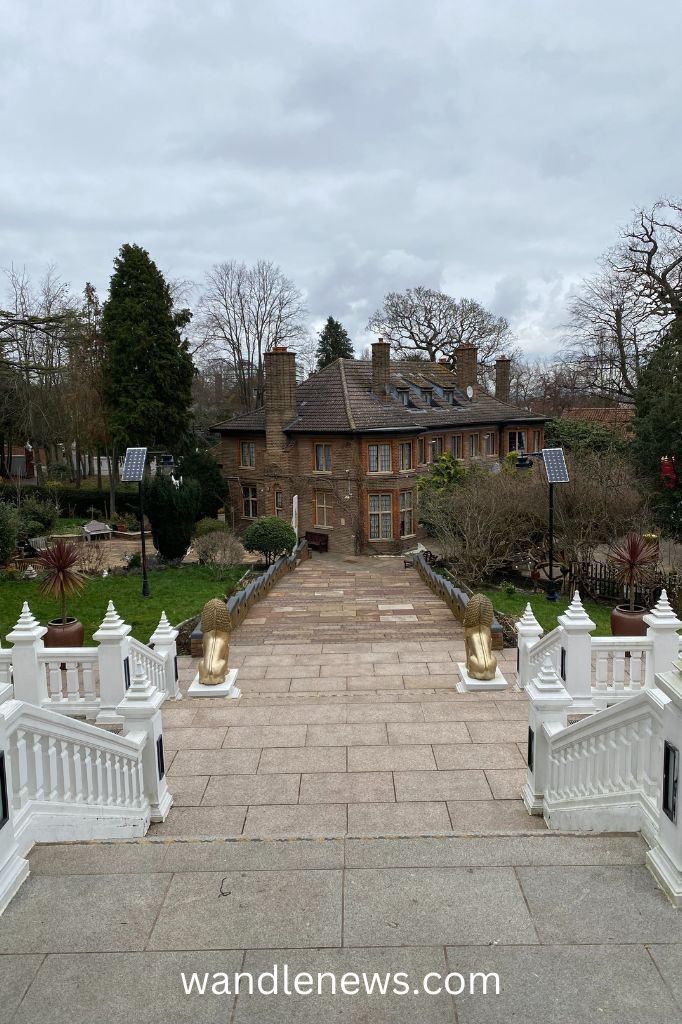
(555, 467)
(133, 472)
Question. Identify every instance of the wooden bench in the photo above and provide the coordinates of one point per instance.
(317, 541)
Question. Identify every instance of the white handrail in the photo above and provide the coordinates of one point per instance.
(549, 643)
(154, 664)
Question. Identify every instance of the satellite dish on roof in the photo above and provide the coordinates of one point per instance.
(470, 392)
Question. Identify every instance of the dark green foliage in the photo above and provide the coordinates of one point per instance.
(202, 467)
(583, 436)
(38, 515)
(148, 370)
(334, 343)
(444, 473)
(172, 512)
(9, 529)
(79, 501)
(270, 537)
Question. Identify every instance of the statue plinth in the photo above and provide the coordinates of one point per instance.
(467, 682)
(225, 689)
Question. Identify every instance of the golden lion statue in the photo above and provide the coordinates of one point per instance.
(478, 618)
(216, 627)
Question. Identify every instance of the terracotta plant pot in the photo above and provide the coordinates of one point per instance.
(628, 623)
(64, 634)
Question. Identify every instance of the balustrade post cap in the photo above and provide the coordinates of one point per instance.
(528, 625)
(575, 619)
(141, 695)
(164, 632)
(547, 687)
(662, 615)
(112, 625)
(27, 627)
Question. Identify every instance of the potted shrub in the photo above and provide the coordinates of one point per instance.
(61, 579)
(633, 560)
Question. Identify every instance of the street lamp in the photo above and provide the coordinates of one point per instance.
(133, 472)
(557, 473)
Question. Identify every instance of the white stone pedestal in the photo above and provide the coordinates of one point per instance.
(467, 682)
(224, 689)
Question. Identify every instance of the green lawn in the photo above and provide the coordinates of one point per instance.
(546, 611)
(179, 591)
(66, 525)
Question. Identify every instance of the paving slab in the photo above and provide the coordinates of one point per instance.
(346, 787)
(250, 910)
(386, 758)
(194, 739)
(302, 759)
(187, 792)
(429, 732)
(96, 858)
(241, 761)
(16, 974)
(82, 913)
(668, 960)
(506, 783)
(266, 736)
(126, 987)
(247, 790)
(379, 1009)
(346, 735)
(201, 821)
(477, 755)
(247, 854)
(563, 985)
(599, 905)
(453, 785)
(299, 820)
(398, 818)
(493, 816)
(435, 907)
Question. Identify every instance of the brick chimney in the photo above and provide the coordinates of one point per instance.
(280, 395)
(503, 379)
(381, 367)
(466, 368)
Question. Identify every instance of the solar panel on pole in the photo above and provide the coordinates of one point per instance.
(555, 465)
(133, 465)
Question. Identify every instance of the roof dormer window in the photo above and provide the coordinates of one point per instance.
(404, 396)
(427, 395)
(449, 395)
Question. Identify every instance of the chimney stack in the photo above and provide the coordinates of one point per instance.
(280, 395)
(381, 367)
(466, 369)
(503, 379)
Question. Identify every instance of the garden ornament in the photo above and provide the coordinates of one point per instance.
(481, 663)
(216, 626)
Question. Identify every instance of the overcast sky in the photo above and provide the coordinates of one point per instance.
(491, 149)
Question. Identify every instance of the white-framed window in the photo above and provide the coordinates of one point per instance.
(404, 396)
(247, 451)
(517, 440)
(474, 445)
(490, 443)
(323, 458)
(421, 455)
(250, 498)
(379, 458)
(427, 395)
(406, 513)
(449, 396)
(537, 440)
(457, 446)
(279, 504)
(436, 445)
(323, 508)
(380, 516)
(405, 455)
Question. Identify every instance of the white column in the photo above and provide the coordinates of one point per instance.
(663, 626)
(548, 702)
(28, 676)
(163, 640)
(13, 867)
(140, 712)
(664, 860)
(114, 665)
(528, 632)
(576, 655)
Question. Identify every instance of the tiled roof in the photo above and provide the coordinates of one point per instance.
(339, 399)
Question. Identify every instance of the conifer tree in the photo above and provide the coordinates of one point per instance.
(148, 368)
(334, 343)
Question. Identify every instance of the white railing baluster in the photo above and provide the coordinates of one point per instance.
(72, 685)
(66, 774)
(55, 680)
(38, 769)
(89, 787)
(77, 773)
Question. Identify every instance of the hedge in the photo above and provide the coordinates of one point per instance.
(76, 501)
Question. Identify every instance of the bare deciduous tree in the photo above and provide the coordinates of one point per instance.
(243, 313)
(422, 320)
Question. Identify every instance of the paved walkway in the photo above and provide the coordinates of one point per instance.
(349, 722)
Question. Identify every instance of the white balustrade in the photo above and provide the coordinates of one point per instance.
(59, 790)
(5, 667)
(549, 644)
(153, 662)
(72, 680)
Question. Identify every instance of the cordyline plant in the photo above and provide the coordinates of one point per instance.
(60, 578)
(634, 560)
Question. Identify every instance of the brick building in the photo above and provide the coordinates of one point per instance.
(353, 439)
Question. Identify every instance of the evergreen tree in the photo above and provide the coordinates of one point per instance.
(658, 407)
(148, 370)
(334, 343)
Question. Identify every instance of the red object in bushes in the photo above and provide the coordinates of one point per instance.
(668, 474)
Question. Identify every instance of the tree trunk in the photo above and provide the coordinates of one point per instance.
(99, 467)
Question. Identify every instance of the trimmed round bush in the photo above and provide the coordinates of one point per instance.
(270, 537)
